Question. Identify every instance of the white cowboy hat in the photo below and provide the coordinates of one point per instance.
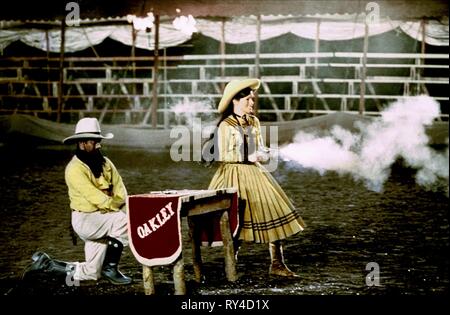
(87, 128)
(233, 87)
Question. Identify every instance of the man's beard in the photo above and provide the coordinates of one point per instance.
(94, 159)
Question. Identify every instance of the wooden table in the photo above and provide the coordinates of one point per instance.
(194, 204)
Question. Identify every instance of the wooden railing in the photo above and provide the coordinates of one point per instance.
(294, 85)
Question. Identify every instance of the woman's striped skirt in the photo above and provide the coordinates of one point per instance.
(269, 215)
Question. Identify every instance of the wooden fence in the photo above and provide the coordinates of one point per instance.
(294, 85)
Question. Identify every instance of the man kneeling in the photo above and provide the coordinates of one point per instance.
(97, 199)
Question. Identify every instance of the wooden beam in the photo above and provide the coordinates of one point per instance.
(155, 75)
(316, 60)
(61, 70)
(222, 53)
(362, 92)
(257, 54)
(153, 109)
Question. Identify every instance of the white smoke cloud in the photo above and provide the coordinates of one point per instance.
(400, 132)
(186, 112)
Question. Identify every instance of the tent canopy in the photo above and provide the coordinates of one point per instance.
(237, 30)
(37, 24)
(49, 10)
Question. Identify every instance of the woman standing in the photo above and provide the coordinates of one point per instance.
(269, 216)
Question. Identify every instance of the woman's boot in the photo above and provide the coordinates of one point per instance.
(277, 266)
(237, 246)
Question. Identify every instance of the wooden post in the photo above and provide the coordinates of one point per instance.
(316, 70)
(178, 276)
(228, 247)
(420, 87)
(155, 75)
(149, 284)
(47, 47)
(166, 113)
(196, 251)
(362, 91)
(133, 55)
(257, 57)
(61, 71)
(222, 53)
(128, 114)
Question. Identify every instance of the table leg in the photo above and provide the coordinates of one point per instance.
(227, 239)
(178, 277)
(196, 251)
(149, 285)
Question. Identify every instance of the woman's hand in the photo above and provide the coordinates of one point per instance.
(263, 155)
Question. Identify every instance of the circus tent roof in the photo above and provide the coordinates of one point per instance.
(339, 20)
(49, 10)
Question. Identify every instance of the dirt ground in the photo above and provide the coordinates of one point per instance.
(404, 229)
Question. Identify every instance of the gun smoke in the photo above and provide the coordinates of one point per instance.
(187, 112)
(368, 154)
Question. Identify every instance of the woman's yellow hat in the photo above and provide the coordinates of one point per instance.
(233, 87)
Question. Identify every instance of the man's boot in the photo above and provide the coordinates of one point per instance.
(277, 266)
(44, 263)
(111, 262)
